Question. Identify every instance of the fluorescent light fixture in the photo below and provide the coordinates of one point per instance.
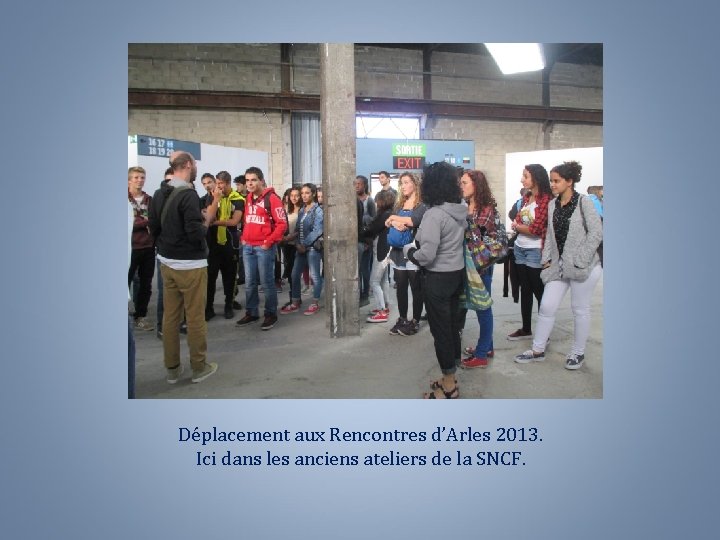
(517, 57)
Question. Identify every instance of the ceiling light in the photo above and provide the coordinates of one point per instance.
(517, 57)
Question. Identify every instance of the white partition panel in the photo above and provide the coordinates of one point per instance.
(213, 159)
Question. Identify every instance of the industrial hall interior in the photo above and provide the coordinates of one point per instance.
(365, 220)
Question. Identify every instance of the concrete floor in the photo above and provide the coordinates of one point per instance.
(298, 359)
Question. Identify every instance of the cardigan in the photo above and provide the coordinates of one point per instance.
(580, 252)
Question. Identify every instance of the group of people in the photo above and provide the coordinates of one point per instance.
(557, 248)
(415, 236)
(558, 233)
(195, 239)
(392, 224)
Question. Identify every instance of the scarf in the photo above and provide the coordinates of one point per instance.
(225, 211)
(475, 296)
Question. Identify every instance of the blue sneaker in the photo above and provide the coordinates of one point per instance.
(574, 361)
(529, 356)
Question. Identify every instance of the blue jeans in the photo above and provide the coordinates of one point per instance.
(365, 261)
(260, 262)
(310, 259)
(485, 320)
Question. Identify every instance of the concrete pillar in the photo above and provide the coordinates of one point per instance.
(337, 124)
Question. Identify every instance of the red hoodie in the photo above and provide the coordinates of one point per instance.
(258, 228)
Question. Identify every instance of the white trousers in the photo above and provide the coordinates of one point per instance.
(580, 296)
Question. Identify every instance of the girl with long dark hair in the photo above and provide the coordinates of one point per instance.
(531, 225)
(309, 228)
(292, 202)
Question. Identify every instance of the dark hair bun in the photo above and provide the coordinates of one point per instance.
(575, 170)
(570, 170)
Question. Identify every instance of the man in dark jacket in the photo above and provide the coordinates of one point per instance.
(180, 231)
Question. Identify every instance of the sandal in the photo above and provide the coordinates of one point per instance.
(452, 394)
(438, 384)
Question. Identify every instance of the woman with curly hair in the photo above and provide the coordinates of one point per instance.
(570, 261)
(438, 249)
(530, 224)
(402, 224)
(481, 211)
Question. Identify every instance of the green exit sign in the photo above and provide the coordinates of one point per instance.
(409, 149)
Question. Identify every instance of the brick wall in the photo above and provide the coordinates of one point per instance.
(576, 86)
(306, 68)
(391, 73)
(476, 78)
(231, 67)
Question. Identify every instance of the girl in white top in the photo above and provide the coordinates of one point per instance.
(291, 198)
(530, 223)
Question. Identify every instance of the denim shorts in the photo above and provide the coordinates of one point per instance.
(528, 256)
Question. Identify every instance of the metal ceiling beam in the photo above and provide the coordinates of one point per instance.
(194, 99)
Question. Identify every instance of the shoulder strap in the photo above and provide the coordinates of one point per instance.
(166, 204)
(582, 212)
(268, 208)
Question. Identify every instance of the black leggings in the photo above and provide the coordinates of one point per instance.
(288, 251)
(142, 261)
(530, 285)
(403, 278)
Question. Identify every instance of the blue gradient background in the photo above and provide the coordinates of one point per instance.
(81, 461)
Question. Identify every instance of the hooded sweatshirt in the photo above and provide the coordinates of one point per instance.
(439, 239)
(258, 227)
